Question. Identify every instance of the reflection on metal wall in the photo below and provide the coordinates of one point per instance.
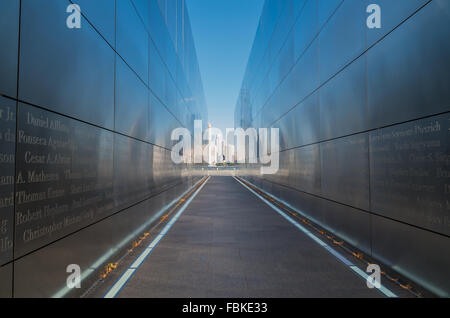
(364, 121)
(86, 116)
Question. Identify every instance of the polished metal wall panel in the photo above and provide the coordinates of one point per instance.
(301, 126)
(131, 170)
(378, 123)
(9, 30)
(102, 15)
(306, 27)
(161, 123)
(325, 9)
(348, 223)
(6, 288)
(171, 18)
(345, 170)
(7, 164)
(273, 78)
(180, 16)
(303, 78)
(298, 84)
(143, 9)
(170, 95)
(157, 72)
(410, 173)
(393, 13)
(286, 58)
(132, 109)
(173, 171)
(170, 58)
(157, 166)
(282, 176)
(64, 177)
(420, 255)
(85, 168)
(71, 71)
(297, 6)
(158, 30)
(286, 21)
(343, 108)
(342, 38)
(302, 201)
(43, 273)
(132, 38)
(181, 111)
(304, 172)
(186, 112)
(182, 84)
(408, 70)
(280, 41)
(269, 187)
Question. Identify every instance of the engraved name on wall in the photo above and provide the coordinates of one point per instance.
(410, 167)
(64, 177)
(7, 158)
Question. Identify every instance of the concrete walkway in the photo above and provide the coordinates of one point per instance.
(229, 243)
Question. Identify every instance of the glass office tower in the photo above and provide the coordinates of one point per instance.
(364, 119)
(86, 115)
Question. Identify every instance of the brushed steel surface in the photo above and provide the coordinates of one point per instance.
(132, 38)
(7, 165)
(131, 170)
(342, 39)
(408, 70)
(157, 72)
(343, 108)
(71, 71)
(6, 279)
(410, 173)
(325, 9)
(418, 254)
(9, 34)
(131, 100)
(298, 85)
(43, 273)
(393, 13)
(64, 177)
(305, 170)
(143, 9)
(101, 13)
(345, 170)
(301, 126)
(306, 27)
(161, 121)
(85, 126)
(364, 81)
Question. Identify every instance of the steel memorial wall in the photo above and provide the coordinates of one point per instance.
(85, 121)
(364, 119)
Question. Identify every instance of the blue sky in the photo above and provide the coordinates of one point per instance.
(223, 33)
